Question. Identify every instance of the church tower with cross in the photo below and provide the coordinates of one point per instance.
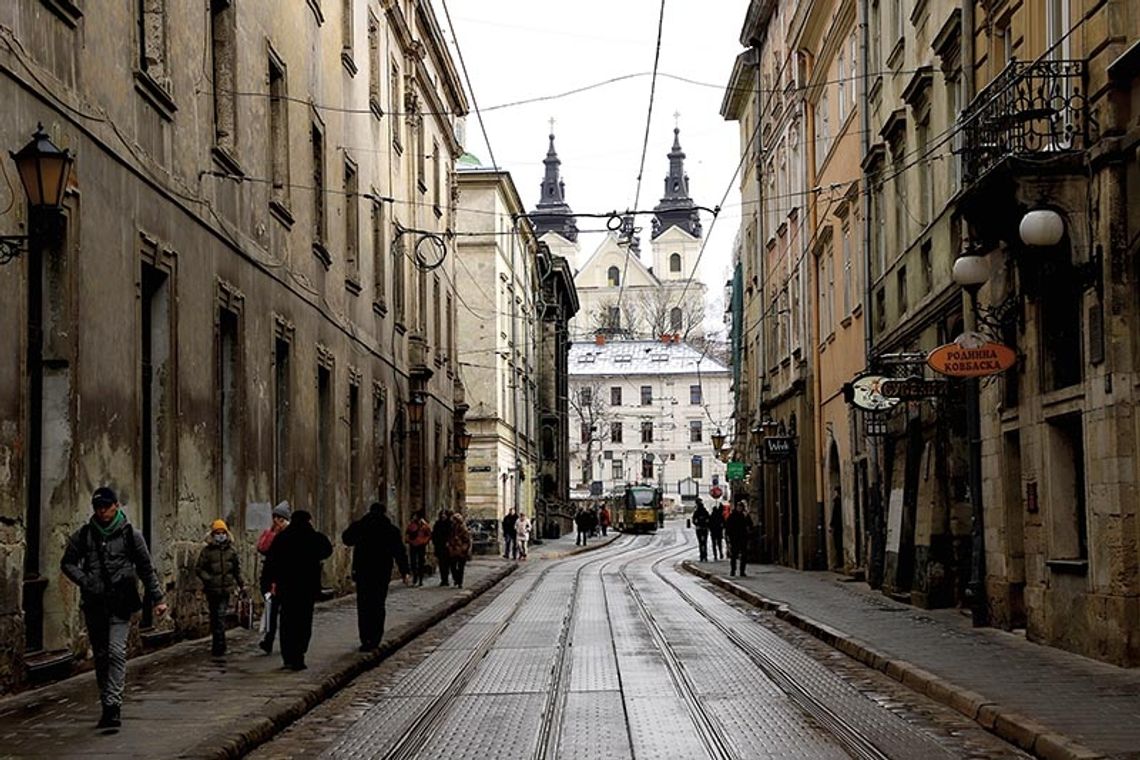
(676, 235)
(554, 221)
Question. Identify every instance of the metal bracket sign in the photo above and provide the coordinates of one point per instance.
(778, 447)
(971, 355)
(867, 395)
(914, 388)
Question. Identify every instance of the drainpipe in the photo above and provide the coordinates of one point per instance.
(514, 371)
(875, 522)
(762, 264)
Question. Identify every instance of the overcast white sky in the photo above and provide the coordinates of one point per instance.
(521, 49)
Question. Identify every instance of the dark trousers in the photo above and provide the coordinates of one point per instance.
(718, 546)
(296, 628)
(604, 527)
(370, 601)
(703, 543)
(219, 605)
(582, 535)
(510, 546)
(418, 556)
(736, 552)
(273, 605)
(457, 567)
(444, 563)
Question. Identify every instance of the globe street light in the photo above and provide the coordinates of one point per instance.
(1042, 228)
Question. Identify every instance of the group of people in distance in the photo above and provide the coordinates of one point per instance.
(516, 534)
(107, 557)
(723, 524)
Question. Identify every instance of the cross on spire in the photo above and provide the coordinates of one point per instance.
(551, 125)
(677, 119)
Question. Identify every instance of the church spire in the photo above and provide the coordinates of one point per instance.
(552, 214)
(676, 207)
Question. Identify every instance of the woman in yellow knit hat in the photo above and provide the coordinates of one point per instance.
(220, 572)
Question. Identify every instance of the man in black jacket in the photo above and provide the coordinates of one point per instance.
(105, 558)
(738, 527)
(294, 564)
(440, 533)
(510, 535)
(376, 542)
(701, 523)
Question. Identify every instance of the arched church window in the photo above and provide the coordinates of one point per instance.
(675, 319)
(674, 262)
(613, 277)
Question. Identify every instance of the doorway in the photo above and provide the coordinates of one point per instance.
(834, 479)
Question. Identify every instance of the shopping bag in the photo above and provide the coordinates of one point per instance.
(245, 610)
(264, 625)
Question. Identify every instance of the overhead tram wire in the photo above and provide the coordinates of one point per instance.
(644, 148)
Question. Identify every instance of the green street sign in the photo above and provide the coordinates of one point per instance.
(735, 471)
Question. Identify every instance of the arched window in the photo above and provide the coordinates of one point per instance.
(674, 262)
(675, 319)
(613, 276)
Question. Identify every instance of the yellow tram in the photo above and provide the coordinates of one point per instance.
(637, 509)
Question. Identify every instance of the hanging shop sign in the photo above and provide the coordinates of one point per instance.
(778, 447)
(735, 470)
(914, 388)
(971, 355)
(865, 393)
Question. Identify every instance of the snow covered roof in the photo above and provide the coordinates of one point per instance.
(640, 357)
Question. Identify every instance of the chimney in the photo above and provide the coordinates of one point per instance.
(599, 340)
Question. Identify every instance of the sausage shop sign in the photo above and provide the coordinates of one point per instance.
(971, 355)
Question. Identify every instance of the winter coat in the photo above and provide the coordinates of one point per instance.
(418, 532)
(737, 528)
(459, 543)
(264, 542)
(582, 520)
(123, 554)
(218, 567)
(522, 527)
(294, 561)
(716, 522)
(510, 523)
(440, 533)
(604, 517)
(701, 517)
(376, 542)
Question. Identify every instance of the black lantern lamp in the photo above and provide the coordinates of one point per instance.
(718, 440)
(44, 172)
(416, 411)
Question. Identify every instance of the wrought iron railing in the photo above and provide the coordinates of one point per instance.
(1030, 110)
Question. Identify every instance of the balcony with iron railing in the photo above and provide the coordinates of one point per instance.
(1032, 113)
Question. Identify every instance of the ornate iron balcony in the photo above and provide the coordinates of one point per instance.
(1030, 110)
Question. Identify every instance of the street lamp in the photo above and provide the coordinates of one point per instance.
(971, 272)
(1041, 228)
(718, 440)
(416, 411)
(44, 171)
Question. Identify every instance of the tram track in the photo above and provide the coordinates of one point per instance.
(850, 736)
(412, 741)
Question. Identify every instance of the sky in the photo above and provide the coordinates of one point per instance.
(522, 49)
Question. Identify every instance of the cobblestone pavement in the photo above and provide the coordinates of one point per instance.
(618, 654)
(1045, 691)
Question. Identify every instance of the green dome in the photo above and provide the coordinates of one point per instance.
(468, 161)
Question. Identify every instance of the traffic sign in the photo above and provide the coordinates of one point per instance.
(735, 470)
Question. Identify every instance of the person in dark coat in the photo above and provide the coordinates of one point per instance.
(294, 565)
(440, 533)
(417, 536)
(510, 535)
(582, 521)
(737, 528)
(701, 524)
(280, 517)
(105, 558)
(716, 532)
(458, 547)
(375, 543)
(219, 571)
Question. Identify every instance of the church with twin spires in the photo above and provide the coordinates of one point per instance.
(626, 292)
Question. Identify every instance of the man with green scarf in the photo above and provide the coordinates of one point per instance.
(105, 558)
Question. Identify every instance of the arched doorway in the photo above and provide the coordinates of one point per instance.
(835, 485)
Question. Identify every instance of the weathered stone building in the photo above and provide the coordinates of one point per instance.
(250, 293)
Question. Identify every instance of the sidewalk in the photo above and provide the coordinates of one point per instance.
(1050, 702)
(180, 702)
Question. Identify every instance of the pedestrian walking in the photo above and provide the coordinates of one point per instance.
(582, 521)
(738, 528)
(604, 518)
(522, 528)
(418, 536)
(219, 571)
(294, 564)
(593, 522)
(716, 532)
(280, 520)
(440, 533)
(105, 558)
(701, 524)
(510, 535)
(375, 543)
(458, 547)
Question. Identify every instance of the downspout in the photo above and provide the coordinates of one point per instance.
(517, 466)
(761, 266)
(874, 524)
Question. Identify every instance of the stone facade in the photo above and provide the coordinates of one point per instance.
(232, 316)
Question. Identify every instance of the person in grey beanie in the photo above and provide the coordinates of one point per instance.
(281, 516)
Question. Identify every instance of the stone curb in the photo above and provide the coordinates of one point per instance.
(235, 742)
(581, 549)
(1015, 728)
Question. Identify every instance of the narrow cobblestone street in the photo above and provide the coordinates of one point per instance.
(620, 654)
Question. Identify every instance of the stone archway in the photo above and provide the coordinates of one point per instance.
(835, 495)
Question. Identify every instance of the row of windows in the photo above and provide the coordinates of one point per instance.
(617, 432)
(586, 396)
(617, 469)
(613, 274)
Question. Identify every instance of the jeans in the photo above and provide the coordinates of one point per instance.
(296, 628)
(718, 546)
(510, 547)
(703, 543)
(219, 606)
(108, 636)
(457, 566)
(582, 535)
(418, 556)
(444, 563)
(371, 598)
(734, 553)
